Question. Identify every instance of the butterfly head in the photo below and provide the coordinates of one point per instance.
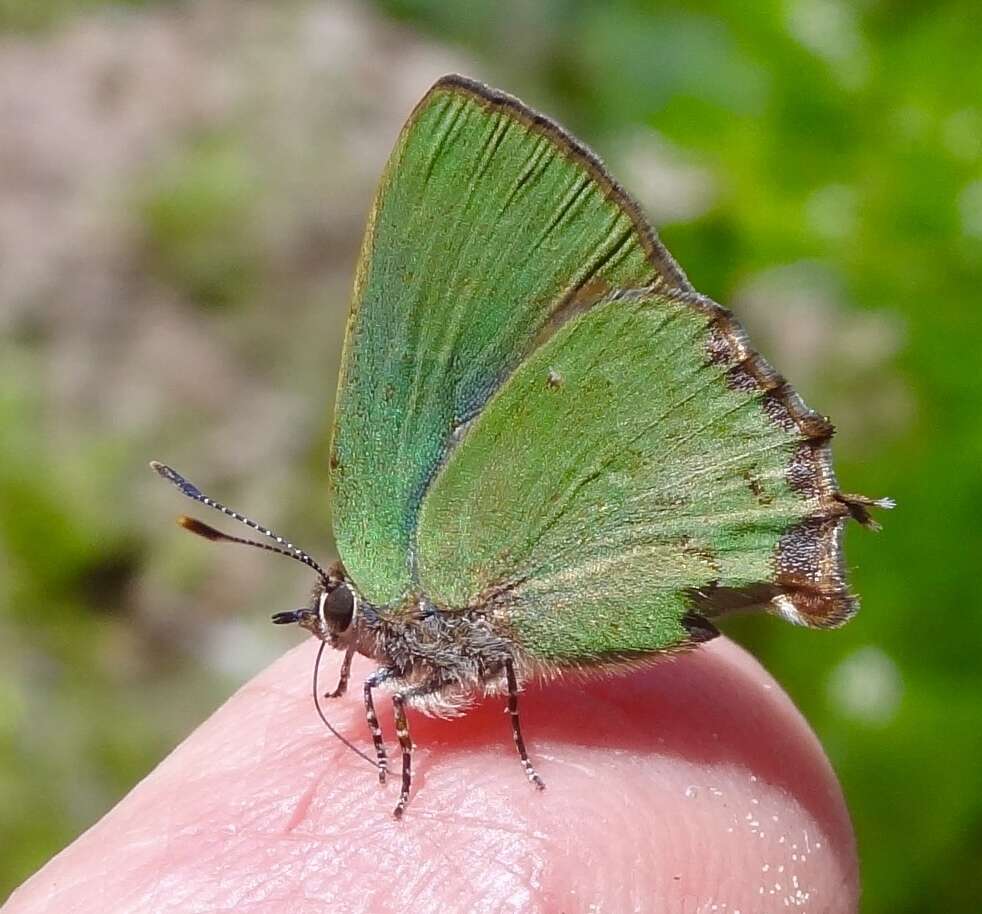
(333, 606)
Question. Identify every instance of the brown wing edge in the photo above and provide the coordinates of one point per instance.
(668, 273)
(809, 585)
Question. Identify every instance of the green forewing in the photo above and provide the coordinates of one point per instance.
(490, 227)
(616, 473)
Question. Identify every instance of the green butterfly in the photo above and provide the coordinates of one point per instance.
(550, 452)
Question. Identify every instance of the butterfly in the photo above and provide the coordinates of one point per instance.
(550, 453)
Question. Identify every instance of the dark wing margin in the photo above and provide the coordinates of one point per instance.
(667, 271)
(809, 586)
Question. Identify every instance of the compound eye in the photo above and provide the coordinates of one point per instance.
(337, 607)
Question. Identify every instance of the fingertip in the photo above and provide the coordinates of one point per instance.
(694, 782)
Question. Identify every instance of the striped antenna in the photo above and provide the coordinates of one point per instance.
(196, 526)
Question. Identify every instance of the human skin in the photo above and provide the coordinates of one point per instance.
(693, 786)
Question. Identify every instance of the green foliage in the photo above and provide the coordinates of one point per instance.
(63, 556)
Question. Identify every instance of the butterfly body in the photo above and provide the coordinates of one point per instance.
(443, 660)
(550, 454)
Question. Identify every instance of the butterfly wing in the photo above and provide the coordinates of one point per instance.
(490, 227)
(641, 470)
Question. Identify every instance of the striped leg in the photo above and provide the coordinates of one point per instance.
(406, 744)
(516, 729)
(342, 685)
(379, 676)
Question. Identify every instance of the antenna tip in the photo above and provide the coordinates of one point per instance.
(201, 528)
(172, 476)
(164, 471)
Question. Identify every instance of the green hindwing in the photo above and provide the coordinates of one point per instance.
(491, 226)
(641, 470)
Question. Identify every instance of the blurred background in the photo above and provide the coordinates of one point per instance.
(183, 189)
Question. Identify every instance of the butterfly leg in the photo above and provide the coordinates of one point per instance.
(378, 677)
(342, 685)
(516, 730)
(399, 702)
(406, 744)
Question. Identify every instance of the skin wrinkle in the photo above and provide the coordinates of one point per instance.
(168, 832)
(303, 804)
(451, 870)
(266, 729)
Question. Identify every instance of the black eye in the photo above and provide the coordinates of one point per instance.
(339, 606)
